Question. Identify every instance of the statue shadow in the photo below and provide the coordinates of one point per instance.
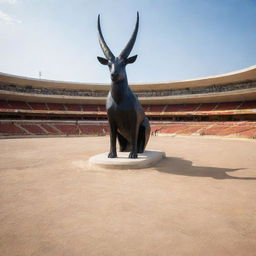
(179, 166)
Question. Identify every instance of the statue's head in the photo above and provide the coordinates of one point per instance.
(117, 64)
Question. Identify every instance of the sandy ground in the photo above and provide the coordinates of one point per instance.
(200, 200)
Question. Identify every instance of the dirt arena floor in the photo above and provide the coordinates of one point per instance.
(200, 200)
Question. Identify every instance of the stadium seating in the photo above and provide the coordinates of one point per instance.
(50, 129)
(64, 126)
(4, 104)
(251, 133)
(33, 129)
(191, 129)
(37, 106)
(156, 108)
(19, 105)
(94, 129)
(68, 128)
(73, 107)
(207, 107)
(146, 108)
(248, 105)
(228, 106)
(234, 129)
(55, 106)
(173, 108)
(11, 129)
(189, 107)
(93, 108)
(214, 129)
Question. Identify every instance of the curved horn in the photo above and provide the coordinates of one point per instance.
(108, 54)
(128, 48)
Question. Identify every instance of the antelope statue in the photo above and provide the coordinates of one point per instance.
(126, 116)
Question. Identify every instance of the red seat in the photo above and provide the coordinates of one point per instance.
(55, 106)
(11, 129)
(102, 108)
(73, 107)
(248, 105)
(156, 108)
(89, 108)
(18, 105)
(4, 104)
(33, 128)
(67, 128)
(173, 108)
(227, 106)
(37, 106)
(207, 107)
(189, 107)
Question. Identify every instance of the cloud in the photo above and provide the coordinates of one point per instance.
(7, 19)
(8, 1)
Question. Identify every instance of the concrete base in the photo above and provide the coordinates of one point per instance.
(144, 160)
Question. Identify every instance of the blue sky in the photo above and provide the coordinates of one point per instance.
(177, 39)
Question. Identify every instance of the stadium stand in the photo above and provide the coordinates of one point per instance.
(74, 128)
(223, 105)
(28, 108)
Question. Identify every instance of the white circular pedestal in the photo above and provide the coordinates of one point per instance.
(144, 160)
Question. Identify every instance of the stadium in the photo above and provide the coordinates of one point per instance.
(197, 200)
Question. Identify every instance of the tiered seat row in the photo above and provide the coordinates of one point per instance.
(33, 129)
(148, 108)
(65, 128)
(28, 128)
(228, 106)
(10, 128)
(233, 129)
(4, 104)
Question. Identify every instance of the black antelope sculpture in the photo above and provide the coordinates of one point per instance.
(126, 116)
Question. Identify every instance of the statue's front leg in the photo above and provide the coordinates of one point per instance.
(113, 134)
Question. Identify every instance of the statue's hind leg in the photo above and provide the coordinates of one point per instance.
(141, 139)
(144, 133)
(123, 143)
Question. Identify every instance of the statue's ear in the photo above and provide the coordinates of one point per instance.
(102, 60)
(131, 59)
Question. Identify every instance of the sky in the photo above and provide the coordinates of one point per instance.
(177, 39)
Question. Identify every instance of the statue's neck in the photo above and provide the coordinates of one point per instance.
(119, 90)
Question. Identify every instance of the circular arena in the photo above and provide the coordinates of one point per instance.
(199, 200)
